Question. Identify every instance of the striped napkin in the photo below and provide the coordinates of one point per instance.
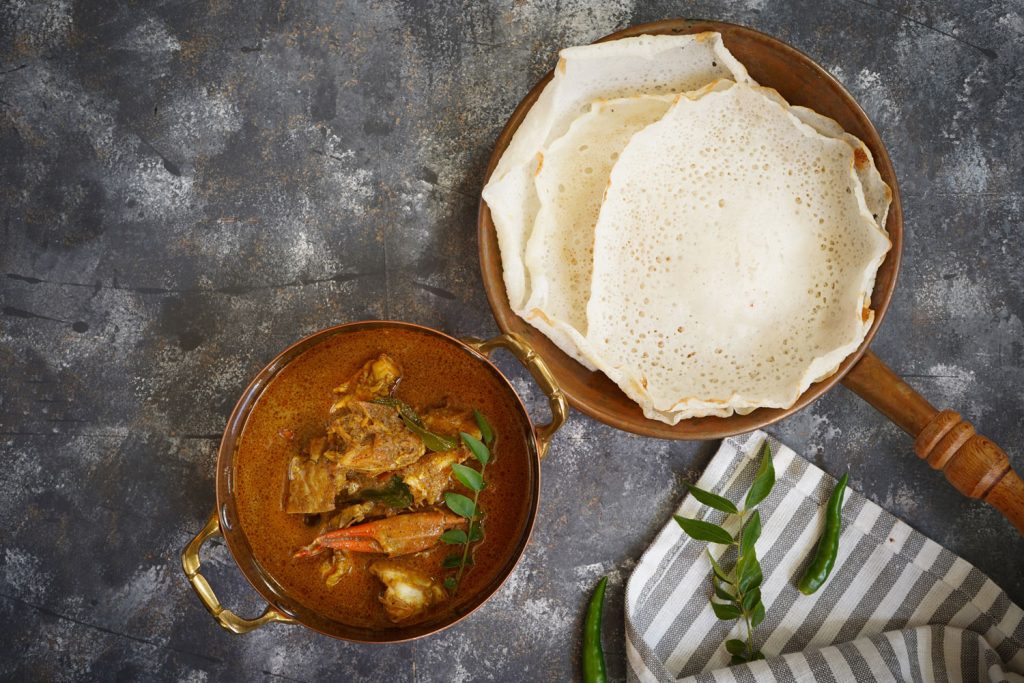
(897, 607)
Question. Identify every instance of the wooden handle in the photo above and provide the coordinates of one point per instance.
(974, 465)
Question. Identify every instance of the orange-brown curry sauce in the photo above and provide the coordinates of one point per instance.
(294, 408)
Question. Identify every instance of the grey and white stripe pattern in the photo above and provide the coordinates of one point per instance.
(897, 607)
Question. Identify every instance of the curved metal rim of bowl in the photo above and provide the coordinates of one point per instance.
(494, 284)
(234, 536)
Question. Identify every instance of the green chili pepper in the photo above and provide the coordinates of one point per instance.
(828, 545)
(593, 653)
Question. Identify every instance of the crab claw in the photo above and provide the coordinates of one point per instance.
(393, 536)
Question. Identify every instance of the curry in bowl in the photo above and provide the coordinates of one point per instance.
(384, 480)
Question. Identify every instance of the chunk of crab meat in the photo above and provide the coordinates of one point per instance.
(335, 567)
(349, 515)
(430, 476)
(449, 420)
(378, 377)
(312, 486)
(356, 483)
(393, 536)
(371, 438)
(408, 592)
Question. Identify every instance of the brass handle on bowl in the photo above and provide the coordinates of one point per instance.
(225, 617)
(525, 354)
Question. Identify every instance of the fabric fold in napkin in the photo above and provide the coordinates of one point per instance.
(897, 605)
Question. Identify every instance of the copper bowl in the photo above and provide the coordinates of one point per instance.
(472, 356)
(802, 82)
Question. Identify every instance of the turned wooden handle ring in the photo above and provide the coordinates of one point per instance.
(972, 464)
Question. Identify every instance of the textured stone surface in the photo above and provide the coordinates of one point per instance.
(186, 187)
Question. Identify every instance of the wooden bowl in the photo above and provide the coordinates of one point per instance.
(802, 82)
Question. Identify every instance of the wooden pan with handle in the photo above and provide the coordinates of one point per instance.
(973, 464)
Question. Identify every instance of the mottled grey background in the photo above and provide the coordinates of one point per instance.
(187, 187)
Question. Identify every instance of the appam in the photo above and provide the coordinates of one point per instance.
(734, 258)
(647, 64)
(570, 186)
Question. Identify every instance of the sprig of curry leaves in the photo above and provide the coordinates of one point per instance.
(464, 506)
(739, 589)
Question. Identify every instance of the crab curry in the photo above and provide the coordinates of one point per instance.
(350, 472)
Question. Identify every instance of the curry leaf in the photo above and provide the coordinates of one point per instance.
(720, 591)
(433, 442)
(712, 500)
(469, 477)
(751, 577)
(453, 561)
(764, 480)
(737, 659)
(758, 616)
(403, 408)
(451, 584)
(476, 447)
(486, 431)
(751, 599)
(725, 611)
(751, 532)
(703, 531)
(735, 647)
(454, 537)
(717, 569)
(476, 533)
(459, 504)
